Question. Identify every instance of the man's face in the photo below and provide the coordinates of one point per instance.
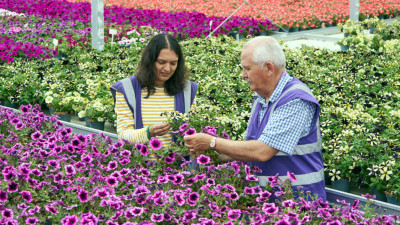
(252, 72)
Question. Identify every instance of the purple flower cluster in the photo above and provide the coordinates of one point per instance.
(10, 49)
(46, 167)
(182, 24)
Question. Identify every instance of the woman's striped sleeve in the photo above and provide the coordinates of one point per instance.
(126, 123)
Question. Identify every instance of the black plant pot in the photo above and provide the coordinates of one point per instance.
(60, 56)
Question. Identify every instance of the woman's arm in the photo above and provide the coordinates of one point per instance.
(126, 123)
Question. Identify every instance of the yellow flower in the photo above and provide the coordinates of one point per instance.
(385, 173)
(335, 174)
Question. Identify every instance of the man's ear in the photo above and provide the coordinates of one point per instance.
(268, 68)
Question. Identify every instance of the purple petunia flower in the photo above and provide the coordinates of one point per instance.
(141, 190)
(37, 135)
(142, 148)
(234, 214)
(283, 221)
(3, 196)
(225, 135)
(155, 144)
(291, 176)
(234, 196)
(169, 160)
(157, 217)
(53, 163)
(69, 170)
(167, 217)
(249, 190)
(70, 220)
(137, 211)
(83, 195)
(24, 108)
(190, 131)
(8, 213)
(202, 159)
(183, 127)
(26, 195)
(102, 193)
(252, 178)
(269, 208)
(112, 181)
(12, 187)
(192, 198)
(51, 209)
(31, 220)
(179, 199)
(112, 165)
(368, 196)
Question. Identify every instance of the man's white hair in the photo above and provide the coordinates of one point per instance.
(266, 49)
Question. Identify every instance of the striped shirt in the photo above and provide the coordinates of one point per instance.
(152, 107)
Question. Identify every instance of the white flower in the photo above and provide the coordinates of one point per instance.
(100, 119)
(89, 82)
(49, 99)
(82, 114)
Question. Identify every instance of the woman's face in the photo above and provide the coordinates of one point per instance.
(165, 66)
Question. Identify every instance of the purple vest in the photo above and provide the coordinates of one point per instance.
(132, 90)
(306, 160)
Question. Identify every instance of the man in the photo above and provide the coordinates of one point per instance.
(283, 133)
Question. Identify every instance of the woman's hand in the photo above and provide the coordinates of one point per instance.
(159, 129)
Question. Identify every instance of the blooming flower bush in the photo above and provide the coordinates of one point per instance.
(182, 24)
(51, 174)
(286, 13)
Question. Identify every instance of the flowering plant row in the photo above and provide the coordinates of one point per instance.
(51, 174)
(380, 36)
(182, 24)
(357, 90)
(286, 13)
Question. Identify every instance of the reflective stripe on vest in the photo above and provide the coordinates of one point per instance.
(307, 148)
(187, 94)
(303, 179)
(130, 95)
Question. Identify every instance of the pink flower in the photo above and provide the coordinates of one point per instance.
(202, 159)
(291, 176)
(155, 144)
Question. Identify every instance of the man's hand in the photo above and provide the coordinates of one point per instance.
(159, 129)
(198, 142)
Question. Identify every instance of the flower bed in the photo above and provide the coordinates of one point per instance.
(182, 24)
(288, 13)
(50, 174)
(358, 92)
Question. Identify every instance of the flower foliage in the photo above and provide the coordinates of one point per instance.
(51, 173)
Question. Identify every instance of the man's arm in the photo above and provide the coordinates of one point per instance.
(251, 151)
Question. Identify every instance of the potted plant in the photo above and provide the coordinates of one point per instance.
(351, 27)
(372, 23)
(97, 112)
(60, 104)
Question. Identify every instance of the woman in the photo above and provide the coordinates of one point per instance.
(159, 85)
